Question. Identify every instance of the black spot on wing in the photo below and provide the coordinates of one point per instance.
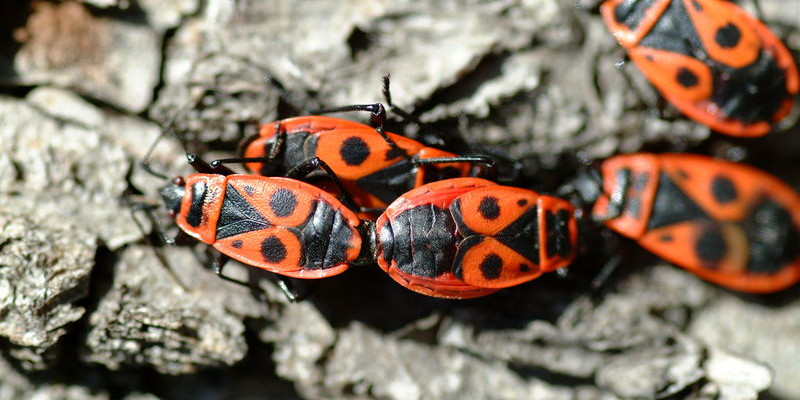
(491, 266)
(273, 250)
(687, 78)
(710, 247)
(728, 36)
(489, 209)
(723, 190)
(354, 151)
(249, 190)
(283, 202)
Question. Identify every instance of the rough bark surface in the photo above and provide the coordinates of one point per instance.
(93, 308)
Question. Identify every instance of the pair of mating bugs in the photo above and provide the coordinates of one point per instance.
(466, 237)
(296, 229)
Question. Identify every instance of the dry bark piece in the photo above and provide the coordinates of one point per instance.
(146, 318)
(109, 59)
(44, 273)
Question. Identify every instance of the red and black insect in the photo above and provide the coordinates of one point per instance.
(728, 223)
(715, 62)
(375, 167)
(262, 145)
(457, 238)
(282, 225)
(468, 237)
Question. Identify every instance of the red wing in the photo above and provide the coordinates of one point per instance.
(440, 194)
(488, 211)
(255, 146)
(286, 226)
(310, 124)
(641, 168)
(486, 262)
(354, 153)
(630, 32)
(726, 31)
(724, 190)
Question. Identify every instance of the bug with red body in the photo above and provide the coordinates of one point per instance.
(728, 223)
(278, 224)
(712, 60)
(374, 166)
(457, 238)
(469, 237)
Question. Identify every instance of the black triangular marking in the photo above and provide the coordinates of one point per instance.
(672, 205)
(238, 216)
(528, 221)
(672, 32)
(522, 235)
(524, 244)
